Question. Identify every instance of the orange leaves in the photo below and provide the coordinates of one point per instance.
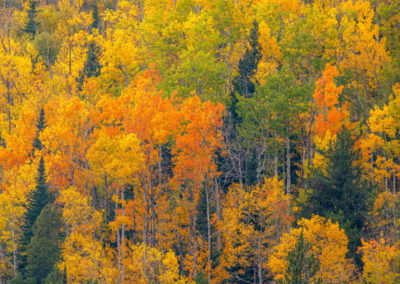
(330, 116)
(152, 117)
(197, 140)
(66, 139)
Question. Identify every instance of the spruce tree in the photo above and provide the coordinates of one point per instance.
(92, 67)
(38, 199)
(341, 194)
(37, 144)
(56, 277)
(31, 25)
(302, 265)
(248, 64)
(44, 249)
(95, 18)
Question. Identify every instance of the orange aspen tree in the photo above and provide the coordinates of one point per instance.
(194, 158)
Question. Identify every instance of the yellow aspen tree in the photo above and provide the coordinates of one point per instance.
(329, 246)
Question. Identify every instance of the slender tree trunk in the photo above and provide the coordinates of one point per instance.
(123, 237)
(15, 264)
(208, 236)
(218, 209)
(1, 261)
(119, 248)
(288, 174)
(394, 183)
(259, 268)
(288, 184)
(192, 216)
(145, 213)
(153, 213)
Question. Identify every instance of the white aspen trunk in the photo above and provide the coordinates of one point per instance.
(208, 236)
(123, 238)
(288, 184)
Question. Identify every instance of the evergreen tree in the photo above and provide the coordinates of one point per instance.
(92, 67)
(242, 83)
(39, 127)
(56, 277)
(95, 18)
(38, 199)
(302, 265)
(31, 25)
(44, 249)
(340, 194)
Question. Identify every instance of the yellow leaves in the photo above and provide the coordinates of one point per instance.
(83, 256)
(66, 139)
(78, 214)
(381, 262)
(149, 265)
(380, 148)
(361, 49)
(329, 245)
(385, 214)
(271, 53)
(118, 222)
(253, 220)
(118, 156)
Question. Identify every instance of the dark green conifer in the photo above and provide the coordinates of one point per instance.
(31, 25)
(38, 199)
(302, 265)
(41, 124)
(243, 84)
(341, 194)
(92, 67)
(95, 18)
(44, 249)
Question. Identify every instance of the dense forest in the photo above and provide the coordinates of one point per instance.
(200, 141)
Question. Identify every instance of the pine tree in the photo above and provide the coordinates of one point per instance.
(56, 277)
(39, 127)
(248, 64)
(38, 199)
(92, 67)
(95, 18)
(302, 265)
(44, 249)
(340, 194)
(31, 25)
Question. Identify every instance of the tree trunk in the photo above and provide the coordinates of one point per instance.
(123, 237)
(208, 236)
(288, 184)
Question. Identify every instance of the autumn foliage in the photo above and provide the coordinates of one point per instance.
(193, 141)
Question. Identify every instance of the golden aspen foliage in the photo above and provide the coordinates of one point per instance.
(254, 220)
(83, 256)
(381, 261)
(329, 246)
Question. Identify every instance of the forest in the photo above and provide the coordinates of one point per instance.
(199, 141)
